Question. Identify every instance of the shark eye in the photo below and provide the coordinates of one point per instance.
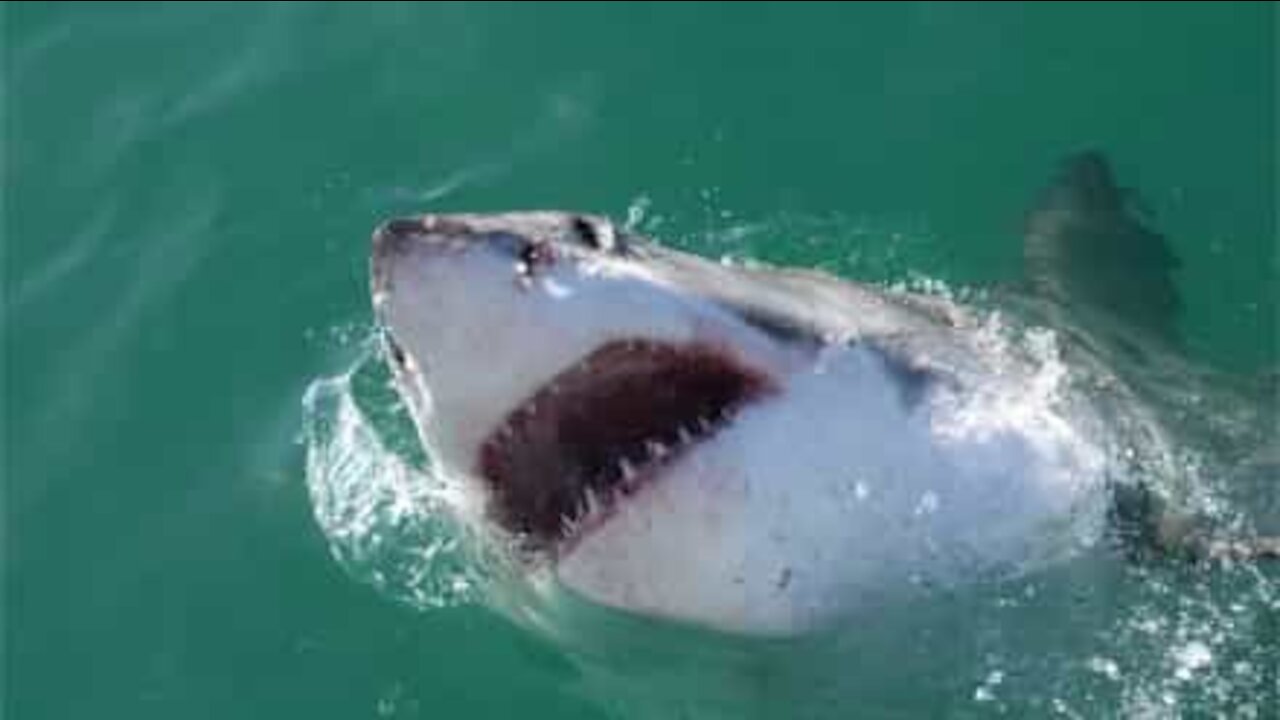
(591, 236)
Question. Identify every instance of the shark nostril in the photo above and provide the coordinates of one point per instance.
(535, 255)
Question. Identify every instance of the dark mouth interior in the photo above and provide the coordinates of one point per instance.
(600, 429)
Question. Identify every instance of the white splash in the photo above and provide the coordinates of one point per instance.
(384, 518)
(1190, 659)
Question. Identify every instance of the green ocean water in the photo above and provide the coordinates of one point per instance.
(188, 195)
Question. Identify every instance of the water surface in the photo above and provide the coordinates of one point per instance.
(188, 193)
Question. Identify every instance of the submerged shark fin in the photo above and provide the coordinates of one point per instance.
(1150, 528)
(1087, 249)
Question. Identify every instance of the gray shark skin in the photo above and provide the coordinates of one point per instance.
(700, 442)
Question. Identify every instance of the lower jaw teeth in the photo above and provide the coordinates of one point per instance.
(600, 498)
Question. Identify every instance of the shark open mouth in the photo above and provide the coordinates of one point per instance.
(601, 429)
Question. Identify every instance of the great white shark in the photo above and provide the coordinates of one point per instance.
(761, 450)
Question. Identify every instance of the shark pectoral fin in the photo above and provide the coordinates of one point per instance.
(1149, 527)
(1086, 247)
(1188, 537)
(1254, 548)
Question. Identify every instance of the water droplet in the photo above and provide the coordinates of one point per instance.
(1105, 667)
(928, 504)
(1191, 657)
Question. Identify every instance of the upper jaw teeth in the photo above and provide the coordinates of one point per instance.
(627, 473)
(592, 502)
(557, 430)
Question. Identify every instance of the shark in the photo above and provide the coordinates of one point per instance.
(761, 450)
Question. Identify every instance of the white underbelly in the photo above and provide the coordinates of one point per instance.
(834, 495)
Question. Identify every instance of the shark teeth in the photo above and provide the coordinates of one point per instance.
(591, 502)
(593, 507)
(602, 492)
(604, 428)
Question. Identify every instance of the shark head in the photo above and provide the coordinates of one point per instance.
(736, 448)
(547, 361)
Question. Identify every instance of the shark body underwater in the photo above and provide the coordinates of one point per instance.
(762, 451)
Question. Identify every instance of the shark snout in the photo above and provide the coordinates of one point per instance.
(393, 240)
(532, 240)
(436, 236)
(452, 233)
(400, 236)
(394, 237)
